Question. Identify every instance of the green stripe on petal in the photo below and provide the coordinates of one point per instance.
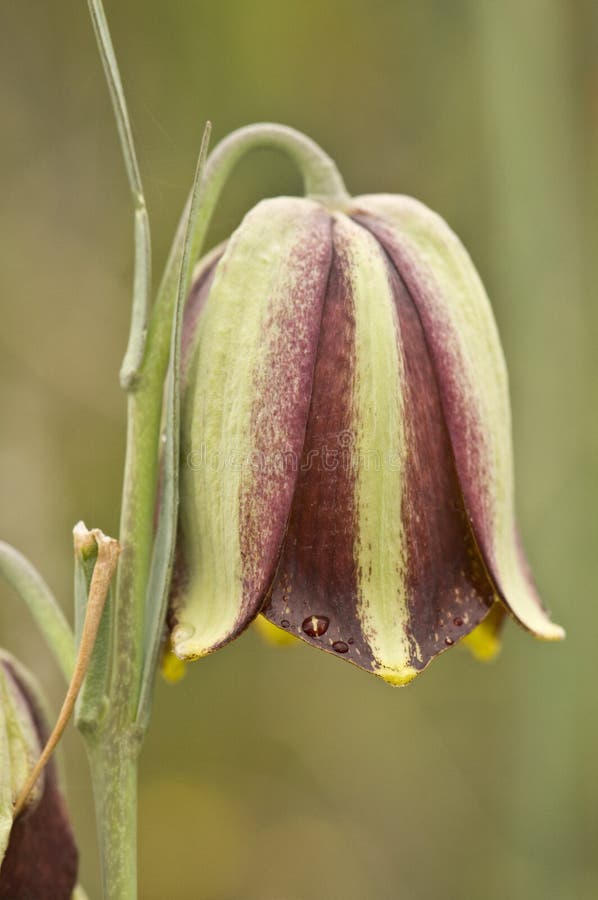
(379, 453)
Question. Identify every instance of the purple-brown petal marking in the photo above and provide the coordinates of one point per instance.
(378, 544)
(448, 589)
(244, 414)
(316, 581)
(469, 367)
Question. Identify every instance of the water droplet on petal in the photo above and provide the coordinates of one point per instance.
(340, 647)
(458, 621)
(183, 632)
(315, 626)
(448, 641)
(285, 623)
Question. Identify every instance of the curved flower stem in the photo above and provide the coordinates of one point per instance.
(321, 179)
(322, 182)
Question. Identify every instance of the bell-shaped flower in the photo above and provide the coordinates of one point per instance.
(38, 855)
(347, 467)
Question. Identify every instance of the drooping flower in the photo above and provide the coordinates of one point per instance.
(346, 441)
(38, 855)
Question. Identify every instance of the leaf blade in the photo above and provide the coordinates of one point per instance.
(164, 544)
(24, 578)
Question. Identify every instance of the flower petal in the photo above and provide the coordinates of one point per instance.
(463, 343)
(379, 565)
(245, 406)
(41, 858)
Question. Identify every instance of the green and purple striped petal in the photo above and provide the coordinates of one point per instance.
(379, 564)
(470, 371)
(248, 385)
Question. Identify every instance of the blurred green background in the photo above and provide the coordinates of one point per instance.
(284, 775)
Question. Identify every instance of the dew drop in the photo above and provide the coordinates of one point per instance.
(340, 647)
(351, 641)
(285, 623)
(448, 641)
(184, 632)
(315, 626)
(458, 621)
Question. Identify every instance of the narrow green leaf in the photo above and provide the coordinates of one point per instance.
(142, 277)
(24, 578)
(163, 552)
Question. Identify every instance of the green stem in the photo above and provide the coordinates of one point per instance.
(114, 746)
(113, 763)
(321, 179)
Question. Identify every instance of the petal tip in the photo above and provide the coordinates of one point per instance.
(183, 645)
(552, 632)
(397, 677)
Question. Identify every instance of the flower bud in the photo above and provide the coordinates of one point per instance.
(38, 856)
(347, 464)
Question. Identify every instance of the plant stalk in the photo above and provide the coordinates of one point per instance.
(113, 747)
(113, 763)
